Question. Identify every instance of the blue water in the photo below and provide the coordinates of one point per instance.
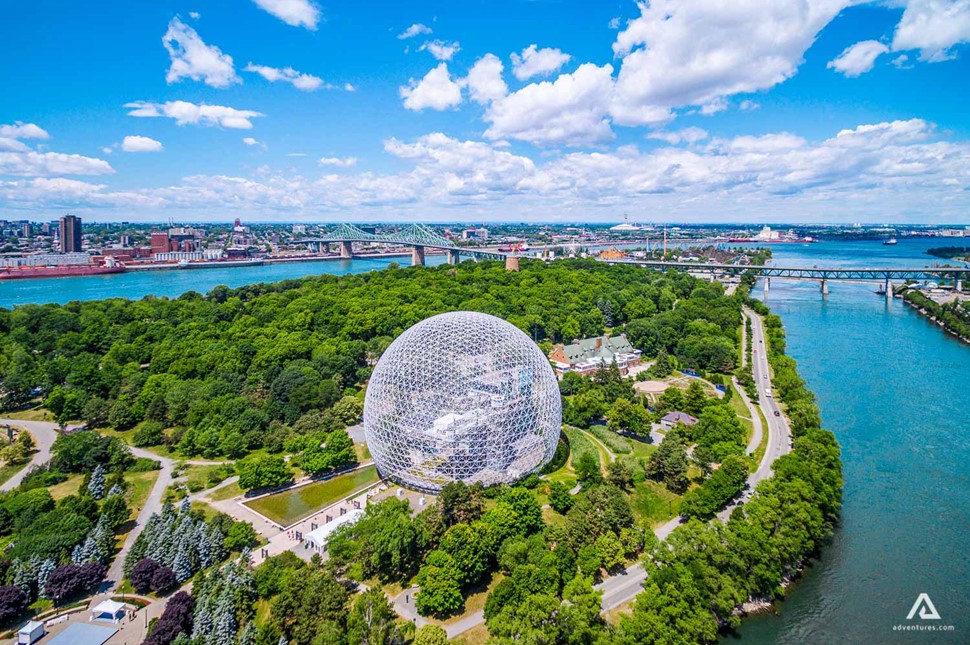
(174, 282)
(894, 390)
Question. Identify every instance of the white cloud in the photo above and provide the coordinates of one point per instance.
(349, 88)
(884, 171)
(436, 91)
(568, 111)
(695, 52)
(859, 58)
(20, 130)
(614, 23)
(748, 104)
(440, 49)
(686, 135)
(416, 29)
(340, 162)
(186, 113)
(107, 150)
(484, 80)
(296, 13)
(140, 144)
(537, 62)
(249, 141)
(305, 82)
(194, 15)
(902, 62)
(192, 58)
(296, 154)
(39, 164)
(9, 143)
(933, 27)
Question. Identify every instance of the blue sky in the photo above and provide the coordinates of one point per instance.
(673, 111)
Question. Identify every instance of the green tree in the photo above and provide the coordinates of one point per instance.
(430, 635)
(371, 620)
(440, 593)
(625, 416)
(262, 471)
(559, 497)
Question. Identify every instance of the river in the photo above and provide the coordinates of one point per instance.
(891, 386)
(174, 282)
(894, 390)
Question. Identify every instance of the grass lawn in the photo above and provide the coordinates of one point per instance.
(69, 486)
(142, 484)
(474, 636)
(613, 615)
(262, 612)
(579, 443)
(604, 452)
(742, 411)
(6, 472)
(30, 414)
(226, 492)
(198, 478)
(208, 511)
(289, 506)
(475, 601)
(642, 449)
(363, 454)
(759, 452)
(652, 502)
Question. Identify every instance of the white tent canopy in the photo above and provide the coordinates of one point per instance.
(110, 609)
(317, 538)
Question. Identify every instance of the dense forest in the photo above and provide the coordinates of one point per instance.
(947, 252)
(237, 370)
(953, 316)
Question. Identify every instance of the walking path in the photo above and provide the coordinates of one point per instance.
(44, 434)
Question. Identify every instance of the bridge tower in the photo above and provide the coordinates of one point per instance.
(454, 256)
(959, 285)
(417, 255)
(767, 286)
(511, 263)
(825, 286)
(889, 292)
(347, 249)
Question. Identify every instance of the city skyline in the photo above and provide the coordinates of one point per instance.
(679, 112)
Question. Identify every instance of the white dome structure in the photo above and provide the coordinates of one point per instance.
(462, 396)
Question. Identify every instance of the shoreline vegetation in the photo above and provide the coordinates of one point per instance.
(253, 373)
(961, 253)
(953, 317)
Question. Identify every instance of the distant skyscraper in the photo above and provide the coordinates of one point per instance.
(70, 234)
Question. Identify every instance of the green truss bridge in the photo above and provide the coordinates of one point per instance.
(417, 236)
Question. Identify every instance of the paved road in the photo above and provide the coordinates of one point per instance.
(44, 434)
(779, 434)
(152, 505)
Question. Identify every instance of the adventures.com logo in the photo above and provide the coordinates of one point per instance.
(925, 610)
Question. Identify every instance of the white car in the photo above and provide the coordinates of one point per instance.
(768, 392)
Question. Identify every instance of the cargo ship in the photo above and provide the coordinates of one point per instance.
(65, 271)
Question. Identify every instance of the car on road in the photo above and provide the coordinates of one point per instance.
(777, 413)
(768, 392)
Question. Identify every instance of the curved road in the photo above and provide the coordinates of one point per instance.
(44, 434)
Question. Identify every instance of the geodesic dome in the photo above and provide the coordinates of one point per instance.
(461, 396)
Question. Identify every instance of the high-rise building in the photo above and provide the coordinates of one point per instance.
(70, 234)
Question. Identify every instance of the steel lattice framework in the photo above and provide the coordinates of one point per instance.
(462, 396)
(411, 235)
(812, 273)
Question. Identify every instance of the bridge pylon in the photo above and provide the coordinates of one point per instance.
(347, 249)
(454, 256)
(825, 286)
(417, 255)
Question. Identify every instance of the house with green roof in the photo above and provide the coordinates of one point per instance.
(589, 355)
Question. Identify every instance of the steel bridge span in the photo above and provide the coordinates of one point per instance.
(883, 275)
(417, 236)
